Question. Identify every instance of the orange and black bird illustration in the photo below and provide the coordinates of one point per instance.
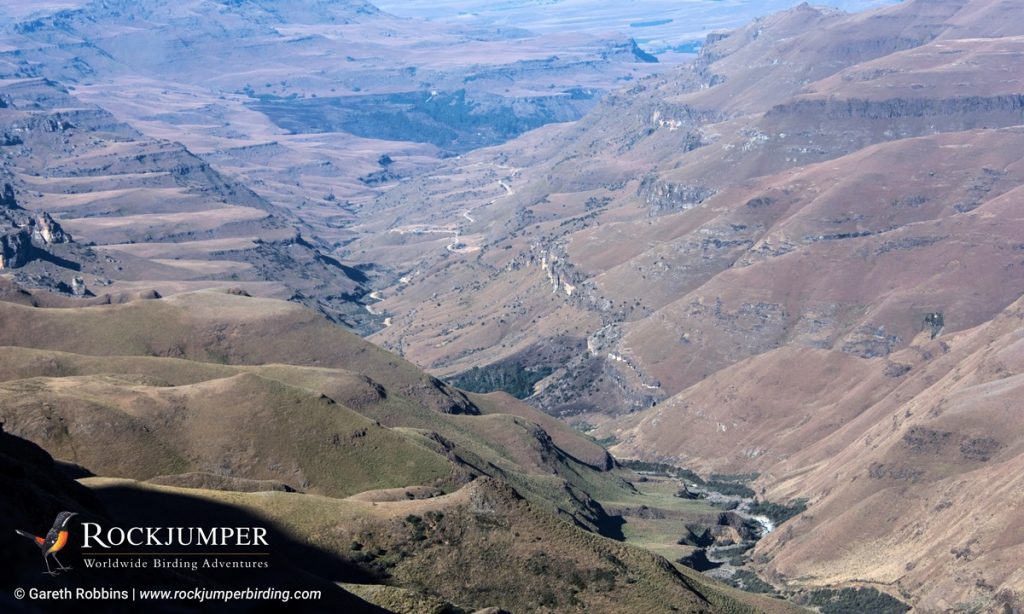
(54, 541)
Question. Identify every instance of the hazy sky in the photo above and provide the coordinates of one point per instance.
(654, 22)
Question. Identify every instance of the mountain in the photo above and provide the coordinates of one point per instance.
(305, 97)
(36, 487)
(149, 214)
(790, 264)
(250, 169)
(777, 259)
(370, 472)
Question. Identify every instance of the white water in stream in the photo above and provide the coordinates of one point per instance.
(767, 526)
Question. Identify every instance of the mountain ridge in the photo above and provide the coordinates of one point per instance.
(730, 268)
(394, 479)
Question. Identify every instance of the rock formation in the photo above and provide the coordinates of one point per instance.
(48, 231)
(15, 249)
(24, 232)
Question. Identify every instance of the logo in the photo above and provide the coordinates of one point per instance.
(172, 536)
(170, 547)
(54, 542)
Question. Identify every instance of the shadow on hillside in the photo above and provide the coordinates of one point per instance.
(33, 489)
(73, 470)
(610, 526)
(291, 564)
(45, 256)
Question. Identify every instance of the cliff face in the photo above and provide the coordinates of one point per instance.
(817, 129)
(25, 232)
(134, 205)
(970, 108)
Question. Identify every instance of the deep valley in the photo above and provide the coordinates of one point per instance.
(482, 308)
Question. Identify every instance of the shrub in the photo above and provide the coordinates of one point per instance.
(778, 512)
(419, 530)
(511, 377)
(855, 601)
(750, 582)
(662, 469)
(734, 477)
(726, 505)
(732, 489)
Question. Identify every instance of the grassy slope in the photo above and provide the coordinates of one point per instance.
(480, 546)
(33, 490)
(230, 390)
(209, 326)
(511, 447)
(243, 425)
(655, 519)
(568, 439)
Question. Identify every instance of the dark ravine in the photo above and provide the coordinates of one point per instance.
(457, 121)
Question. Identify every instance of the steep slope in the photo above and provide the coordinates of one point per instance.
(919, 488)
(448, 546)
(617, 240)
(154, 215)
(36, 489)
(241, 426)
(738, 267)
(313, 105)
(199, 416)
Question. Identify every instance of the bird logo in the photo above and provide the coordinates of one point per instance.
(54, 542)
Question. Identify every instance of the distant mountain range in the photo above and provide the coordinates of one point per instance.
(662, 28)
(295, 102)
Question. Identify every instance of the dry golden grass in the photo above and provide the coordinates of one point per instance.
(481, 546)
(234, 397)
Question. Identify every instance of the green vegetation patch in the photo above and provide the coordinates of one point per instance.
(730, 489)
(750, 582)
(854, 601)
(607, 442)
(734, 477)
(663, 469)
(778, 512)
(511, 377)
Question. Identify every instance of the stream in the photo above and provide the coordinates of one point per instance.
(720, 558)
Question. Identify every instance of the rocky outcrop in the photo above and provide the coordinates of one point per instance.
(441, 397)
(78, 287)
(636, 52)
(24, 232)
(870, 342)
(662, 197)
(902, 107)
(48, 231)
(380, 177)
(15, 249)
(7, 200)
(903, 117)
